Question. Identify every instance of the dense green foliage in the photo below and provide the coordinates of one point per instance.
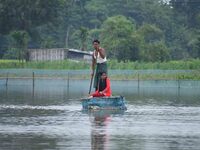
(131, 30)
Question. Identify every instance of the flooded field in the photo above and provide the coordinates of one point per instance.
(160, 115)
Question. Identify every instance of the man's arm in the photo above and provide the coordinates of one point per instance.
(94, 93)
(102, 52)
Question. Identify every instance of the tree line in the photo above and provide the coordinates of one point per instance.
(129, 30)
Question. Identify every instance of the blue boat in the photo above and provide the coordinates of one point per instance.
(113, 102)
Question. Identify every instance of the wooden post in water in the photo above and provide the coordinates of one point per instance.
(33, 80)
(68, 81)
(138, 75)
(7, 79)
(178, 80)
(67, 85)
(179, 83)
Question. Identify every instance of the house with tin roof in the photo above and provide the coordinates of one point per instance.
(59, 54)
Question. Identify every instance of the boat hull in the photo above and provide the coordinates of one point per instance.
(113, 102)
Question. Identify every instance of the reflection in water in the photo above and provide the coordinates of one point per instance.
(99, 135)
(160, 116)
(100, 120)
(27, 142)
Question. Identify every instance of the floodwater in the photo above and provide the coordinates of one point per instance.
(160, 116)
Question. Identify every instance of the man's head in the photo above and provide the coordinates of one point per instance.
(96, 44)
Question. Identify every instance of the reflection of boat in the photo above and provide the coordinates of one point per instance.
(100, 119)
(108, 103)
(99, 133)
(103, 112)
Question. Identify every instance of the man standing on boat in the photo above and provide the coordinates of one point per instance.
(99, 62)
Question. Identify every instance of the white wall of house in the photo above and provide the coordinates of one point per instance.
(46, 54)
(57, 54)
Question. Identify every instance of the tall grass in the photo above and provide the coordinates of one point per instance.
(193, 64)
(64, 64)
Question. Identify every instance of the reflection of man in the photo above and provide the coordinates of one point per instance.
(99, 139)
